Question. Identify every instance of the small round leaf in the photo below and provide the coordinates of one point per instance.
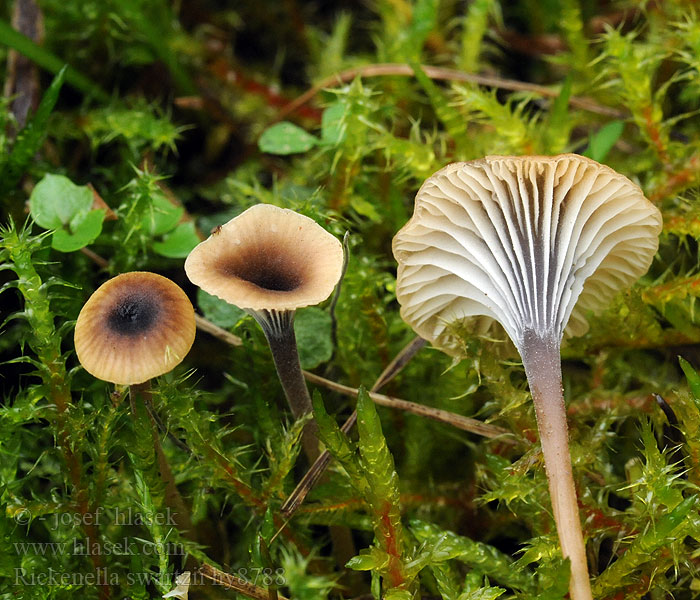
(55, 201)
(218, 311)
(84, 229)
(179, 243)
(286, 138)
(312, 327)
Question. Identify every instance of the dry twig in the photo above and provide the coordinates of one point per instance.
(443, 416)
(444, 74)
(235, 583)
(216, 331)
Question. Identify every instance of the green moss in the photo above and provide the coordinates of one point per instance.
(178, 116)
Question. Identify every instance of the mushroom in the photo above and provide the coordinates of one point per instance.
(532, 243)
(269, 261)
(135, 326)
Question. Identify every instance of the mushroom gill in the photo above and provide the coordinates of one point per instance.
(532, 242)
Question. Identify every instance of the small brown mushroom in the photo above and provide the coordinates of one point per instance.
(135, 326)
(532, 243)
(269, 261)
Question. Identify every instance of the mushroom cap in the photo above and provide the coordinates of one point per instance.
(135, 326)
(532, 242)
(268, 258)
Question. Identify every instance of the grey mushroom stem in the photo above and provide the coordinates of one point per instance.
(542, 362)
(278, 327)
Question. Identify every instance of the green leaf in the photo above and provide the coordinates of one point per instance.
(85, 228)
(383, 482)
(337, 443)
(365, 208)
(218, 311)
(601, 142)
(179, 243)
(333, 124)
(55, 201)
(162, 215)
(490, 593)
(377, 460)
(692, 377)
(286, 138)
(447, 545)
(312, 327)
(446, 579)
(668, 529)
(553, 575)
(367, 560)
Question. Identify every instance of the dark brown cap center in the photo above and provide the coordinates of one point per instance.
(265, 270)
(133, 315)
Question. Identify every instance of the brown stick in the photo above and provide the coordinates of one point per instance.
(233, 582)
(399, 362)
(22, 74)
(465, 423)
(444, 74)
(443, 416)
(216, 331)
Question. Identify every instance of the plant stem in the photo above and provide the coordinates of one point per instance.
(542, 363)
(139, 396)
(279, 331)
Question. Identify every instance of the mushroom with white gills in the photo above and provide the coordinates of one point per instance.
(134, 327)
(533, 243)
(269, 261)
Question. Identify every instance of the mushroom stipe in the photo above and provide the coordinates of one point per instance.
(531, 243)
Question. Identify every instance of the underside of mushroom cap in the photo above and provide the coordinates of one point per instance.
(135, 326)
(268, 258)
(531, 242)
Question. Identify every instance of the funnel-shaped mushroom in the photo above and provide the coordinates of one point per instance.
(135, 326)
(269, 261)
(533, 243)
